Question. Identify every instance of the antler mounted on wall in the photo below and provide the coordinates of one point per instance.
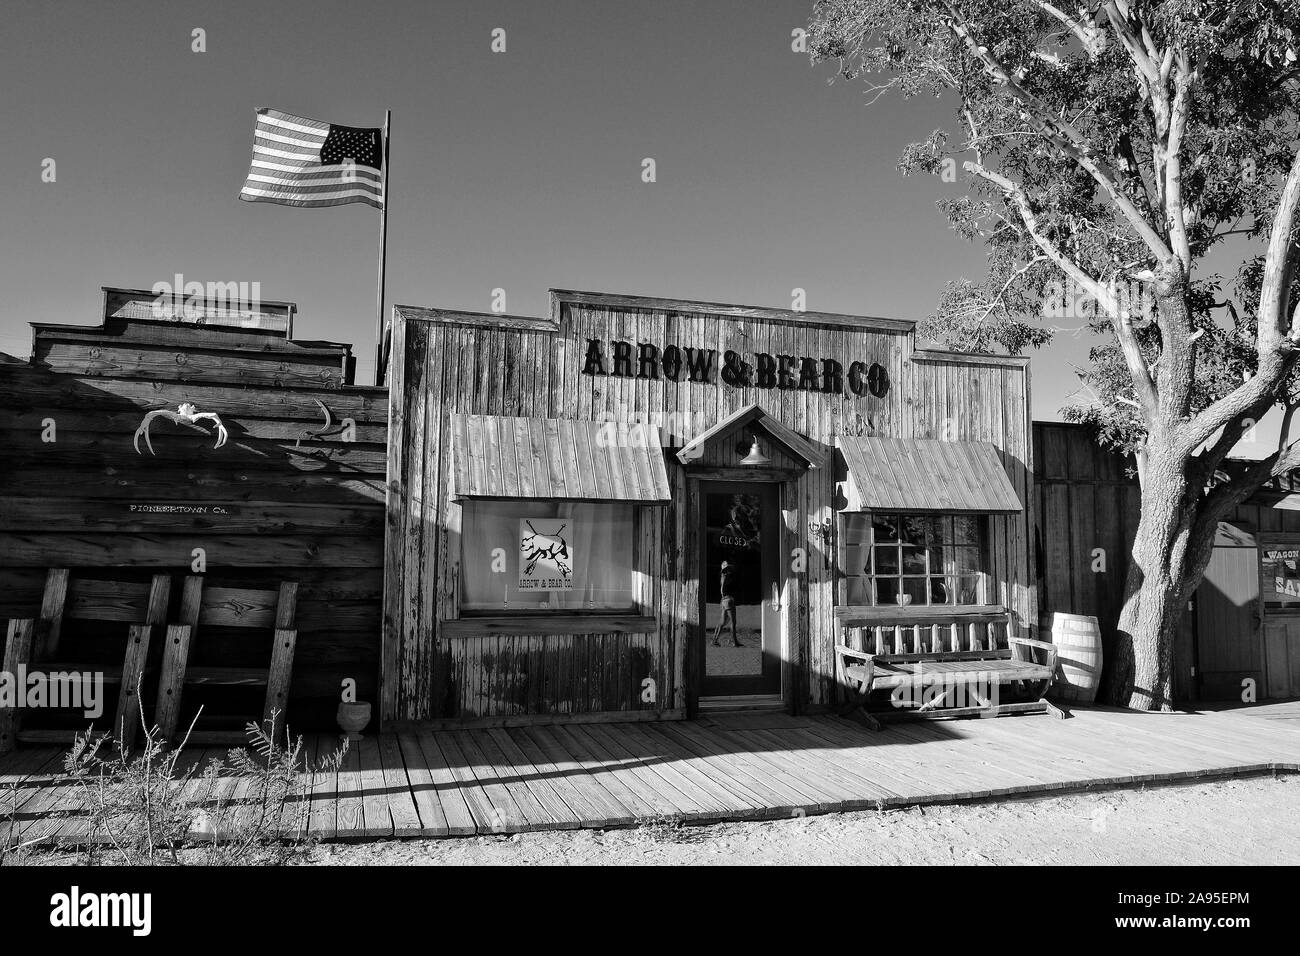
(328, 431)
(186, 414)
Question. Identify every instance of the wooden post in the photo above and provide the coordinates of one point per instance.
(383, 255)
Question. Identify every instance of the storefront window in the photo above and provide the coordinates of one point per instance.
(914, 559)
(545, 555)
(1281, 576)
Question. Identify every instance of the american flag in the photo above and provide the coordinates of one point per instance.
(304, 162)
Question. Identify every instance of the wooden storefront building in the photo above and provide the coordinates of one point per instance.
(564, 491)
(528, 524)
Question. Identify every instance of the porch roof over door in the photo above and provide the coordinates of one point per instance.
(924, 475)
(493, 456)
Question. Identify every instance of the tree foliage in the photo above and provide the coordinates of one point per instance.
(1099, 142)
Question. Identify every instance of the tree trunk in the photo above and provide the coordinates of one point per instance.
(1140, 666)
(1167, 566)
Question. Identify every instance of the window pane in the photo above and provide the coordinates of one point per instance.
(938, 559)
(886, 590)
(943, 591)
(965, 529)
(858, 590)
(553, 555)
(912, 529)
(915, 590)
(913, 560)
(857, 528)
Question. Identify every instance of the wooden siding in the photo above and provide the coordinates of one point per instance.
(272, 504)
(448, 363)
(984, 398)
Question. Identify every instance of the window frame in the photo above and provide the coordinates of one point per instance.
(637, 606)
(867, 550)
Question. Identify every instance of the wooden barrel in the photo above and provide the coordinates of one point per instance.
(1078, 657)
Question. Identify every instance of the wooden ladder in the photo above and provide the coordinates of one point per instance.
(230, 607)
(34, 643)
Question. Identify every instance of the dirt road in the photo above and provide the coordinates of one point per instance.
(1252, 821)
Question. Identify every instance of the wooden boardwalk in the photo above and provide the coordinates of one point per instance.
(727, 767)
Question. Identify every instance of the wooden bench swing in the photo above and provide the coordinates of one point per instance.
(940, 662)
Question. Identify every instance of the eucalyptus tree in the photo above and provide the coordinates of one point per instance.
(1116, 155)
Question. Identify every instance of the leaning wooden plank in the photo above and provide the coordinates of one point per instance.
(18, 651)
(171, 679)
(50, 620)
(127, 719)
(278, 680)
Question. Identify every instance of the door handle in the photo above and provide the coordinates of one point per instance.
(776, 596)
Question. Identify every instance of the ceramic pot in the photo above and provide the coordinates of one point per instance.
(353, 718)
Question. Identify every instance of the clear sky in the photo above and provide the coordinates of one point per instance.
(518, 170)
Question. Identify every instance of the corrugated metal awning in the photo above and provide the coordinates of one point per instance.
(497, 457)
(924, 475)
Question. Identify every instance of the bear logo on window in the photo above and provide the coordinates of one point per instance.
(548, 548)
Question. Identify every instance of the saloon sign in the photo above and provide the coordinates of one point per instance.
(739, 370)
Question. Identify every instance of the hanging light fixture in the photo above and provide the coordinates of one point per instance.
(755, 456)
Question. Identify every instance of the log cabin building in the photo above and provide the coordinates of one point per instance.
(628, 509)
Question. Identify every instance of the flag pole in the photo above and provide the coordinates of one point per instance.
(383, 257)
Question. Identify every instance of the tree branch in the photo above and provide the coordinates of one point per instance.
(1104, 295)
(1275, 335)
(1062, 135)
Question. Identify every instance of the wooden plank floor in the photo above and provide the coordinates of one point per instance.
(721, 767)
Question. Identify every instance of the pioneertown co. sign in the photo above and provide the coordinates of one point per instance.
(674, 363)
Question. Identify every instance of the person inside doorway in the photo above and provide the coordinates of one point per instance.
(727, 589)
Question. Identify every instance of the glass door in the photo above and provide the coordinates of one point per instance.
(740, 590)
